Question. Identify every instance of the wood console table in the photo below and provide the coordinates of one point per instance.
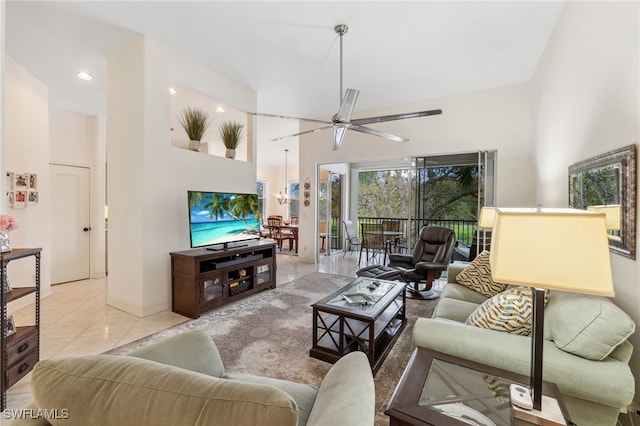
(203, 279)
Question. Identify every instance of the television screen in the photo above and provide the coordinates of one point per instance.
(222, 218)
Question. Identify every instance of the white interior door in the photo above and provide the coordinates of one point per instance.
(71, 234)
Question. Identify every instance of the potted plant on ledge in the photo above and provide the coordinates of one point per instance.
(230, 132)
(195, 122)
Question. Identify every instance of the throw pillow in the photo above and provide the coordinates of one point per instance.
(477, 276)
(588, 326)
(509, 311)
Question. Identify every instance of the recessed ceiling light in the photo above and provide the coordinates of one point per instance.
(172, 90)
(220, 109)
(83, 75)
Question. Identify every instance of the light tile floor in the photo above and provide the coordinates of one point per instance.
(75, 320)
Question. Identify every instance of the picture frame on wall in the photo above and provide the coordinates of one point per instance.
(20, 181)
(10, 178)
(32, 182)
(20, 199)
(32, 197)
(10, 327)
(10, 198)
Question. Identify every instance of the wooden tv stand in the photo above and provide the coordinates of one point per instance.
(203, 279)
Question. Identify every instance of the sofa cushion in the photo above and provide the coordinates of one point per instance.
(509, 311)
(123, 390)
(477, 276)
(461, 292)
(454, 309)
(587, 326)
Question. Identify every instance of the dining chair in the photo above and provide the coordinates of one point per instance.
(276, 233)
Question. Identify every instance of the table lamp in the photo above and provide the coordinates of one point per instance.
(485, 221)
(554, 249)
(612, 213)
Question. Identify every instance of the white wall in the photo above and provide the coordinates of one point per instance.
(149, 178)
(497, 119)
(26, 144)
(586, 101)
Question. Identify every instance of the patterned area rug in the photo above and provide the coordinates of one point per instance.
(269, 334)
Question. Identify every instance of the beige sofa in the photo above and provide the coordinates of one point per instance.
(182, 381)
(578, 331)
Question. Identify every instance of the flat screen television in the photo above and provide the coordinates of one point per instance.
(222, 218)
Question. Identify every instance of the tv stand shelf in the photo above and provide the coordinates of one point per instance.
(202, 279)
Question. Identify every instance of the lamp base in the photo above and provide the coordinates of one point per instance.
(550, 415)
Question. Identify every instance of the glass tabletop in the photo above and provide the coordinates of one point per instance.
(363, 294)
(467, 395)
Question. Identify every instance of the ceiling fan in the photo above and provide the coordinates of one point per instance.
(341, 121)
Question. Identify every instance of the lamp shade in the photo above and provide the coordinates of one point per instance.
(612, 213)
(487, 217)
(559, 249)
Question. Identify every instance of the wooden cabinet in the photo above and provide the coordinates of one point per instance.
(203, 279)
(20, 350)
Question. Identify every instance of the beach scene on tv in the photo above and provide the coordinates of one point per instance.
(218, 217)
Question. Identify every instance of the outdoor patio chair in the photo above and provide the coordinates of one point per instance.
(351, 237)
(431, 256)
(372, 239)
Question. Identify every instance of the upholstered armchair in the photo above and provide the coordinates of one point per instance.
(432, 254)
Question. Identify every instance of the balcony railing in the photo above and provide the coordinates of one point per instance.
(463, 228)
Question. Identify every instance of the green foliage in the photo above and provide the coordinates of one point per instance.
(439, 193)
(230, 132)
(195, 122)
(600, 187)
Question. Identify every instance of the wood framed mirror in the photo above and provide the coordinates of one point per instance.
(608, 183)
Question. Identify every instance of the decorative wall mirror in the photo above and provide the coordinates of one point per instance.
(607, 183)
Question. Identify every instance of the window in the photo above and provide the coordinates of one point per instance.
(294, 195)
(261, 186)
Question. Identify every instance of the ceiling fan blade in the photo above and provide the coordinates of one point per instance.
(347, 106)
(301, 133)
(375, 132)
(338, 136)
(381, 118)
(288, 117)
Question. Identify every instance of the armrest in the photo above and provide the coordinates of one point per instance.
(429, 266)
(346, 395)
(453, 270)
(193, 350)
(398, 259)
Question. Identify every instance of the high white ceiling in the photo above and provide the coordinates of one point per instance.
(395, 52)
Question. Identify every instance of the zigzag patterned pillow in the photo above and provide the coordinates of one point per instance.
(509, 311)
(477, 276)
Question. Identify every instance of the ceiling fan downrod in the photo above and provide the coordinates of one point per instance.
(341, 30)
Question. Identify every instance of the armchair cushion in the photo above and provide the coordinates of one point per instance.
(477, 276)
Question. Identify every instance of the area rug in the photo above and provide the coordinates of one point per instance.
(269, 334)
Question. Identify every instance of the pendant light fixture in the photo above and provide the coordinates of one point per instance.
(283, 199)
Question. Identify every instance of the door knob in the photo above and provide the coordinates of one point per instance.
(85, 229)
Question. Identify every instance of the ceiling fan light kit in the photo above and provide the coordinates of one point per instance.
(341, 121)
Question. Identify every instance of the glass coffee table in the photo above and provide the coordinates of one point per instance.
(366, 315)
(440, 389)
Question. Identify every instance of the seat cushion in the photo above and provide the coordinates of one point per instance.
(477, 276)
(454, 309)
(122, 390)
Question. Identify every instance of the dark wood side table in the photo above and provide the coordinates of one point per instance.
(440, 389)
